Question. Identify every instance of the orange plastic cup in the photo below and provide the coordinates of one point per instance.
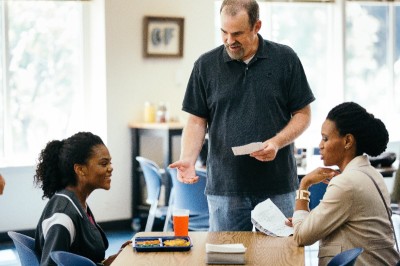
(181, 222)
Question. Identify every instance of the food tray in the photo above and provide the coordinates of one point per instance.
(160, 246)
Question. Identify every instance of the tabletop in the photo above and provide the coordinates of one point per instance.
(261, 250)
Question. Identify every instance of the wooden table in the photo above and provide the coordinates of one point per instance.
(261, 250)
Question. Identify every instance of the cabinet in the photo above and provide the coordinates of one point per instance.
(165, 131)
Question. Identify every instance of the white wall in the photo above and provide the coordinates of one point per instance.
(129, 80)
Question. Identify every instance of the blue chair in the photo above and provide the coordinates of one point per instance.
(317, 193)
(346, 258)
(153, 178)
(25, 246)
(191, 197)
(64, 258)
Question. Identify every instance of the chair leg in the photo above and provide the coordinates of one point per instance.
(167, 219)
(151, 217)
(169, 211)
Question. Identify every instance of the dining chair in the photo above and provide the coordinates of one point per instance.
(317, 193)
(25, 246)
(153, 178)
(191, 197)
(346, 258)
(64, 258)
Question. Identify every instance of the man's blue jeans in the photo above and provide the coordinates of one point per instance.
(233, 213)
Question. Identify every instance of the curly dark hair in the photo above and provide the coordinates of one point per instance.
(55, 169)
(234, 6)
(369, 132)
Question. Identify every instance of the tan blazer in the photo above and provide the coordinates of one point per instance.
(351, 214)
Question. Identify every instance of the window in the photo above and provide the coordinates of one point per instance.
(371, 58)
(350, 52)
(311, 40)
(41, 90)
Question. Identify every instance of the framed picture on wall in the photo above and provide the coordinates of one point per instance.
(163, 36)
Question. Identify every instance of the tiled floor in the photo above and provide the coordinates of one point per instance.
(9, 257)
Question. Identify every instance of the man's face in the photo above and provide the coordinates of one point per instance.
(239, 38)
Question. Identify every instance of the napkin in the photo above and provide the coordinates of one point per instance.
(225, 248)
(225, 254)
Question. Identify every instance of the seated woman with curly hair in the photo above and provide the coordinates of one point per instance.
(68, 172)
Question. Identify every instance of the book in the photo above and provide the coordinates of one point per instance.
(269, 219)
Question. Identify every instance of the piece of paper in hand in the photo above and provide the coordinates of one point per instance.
(247, 149)
(268, 218)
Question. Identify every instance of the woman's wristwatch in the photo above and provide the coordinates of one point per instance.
(303, 195)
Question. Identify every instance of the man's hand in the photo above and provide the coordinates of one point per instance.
(268, 153)
(186, 172)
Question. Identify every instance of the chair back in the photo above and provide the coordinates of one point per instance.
(191, 197)
(152, 176)
(317, 193)
(25, 246)
(64, 258)
(346, 258)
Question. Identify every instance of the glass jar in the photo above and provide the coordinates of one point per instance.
(161, 113)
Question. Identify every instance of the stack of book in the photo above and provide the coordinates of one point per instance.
(225, 254)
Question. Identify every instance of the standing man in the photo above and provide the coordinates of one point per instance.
(247, 90)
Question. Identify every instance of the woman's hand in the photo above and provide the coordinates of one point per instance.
(125, 244)
(321, 174)
(111, 259)
(289, 222)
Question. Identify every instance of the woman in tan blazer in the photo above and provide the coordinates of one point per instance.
(351, 213)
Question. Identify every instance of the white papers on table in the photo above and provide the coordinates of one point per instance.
(268, 218)
(247, 149)
(225, 248)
